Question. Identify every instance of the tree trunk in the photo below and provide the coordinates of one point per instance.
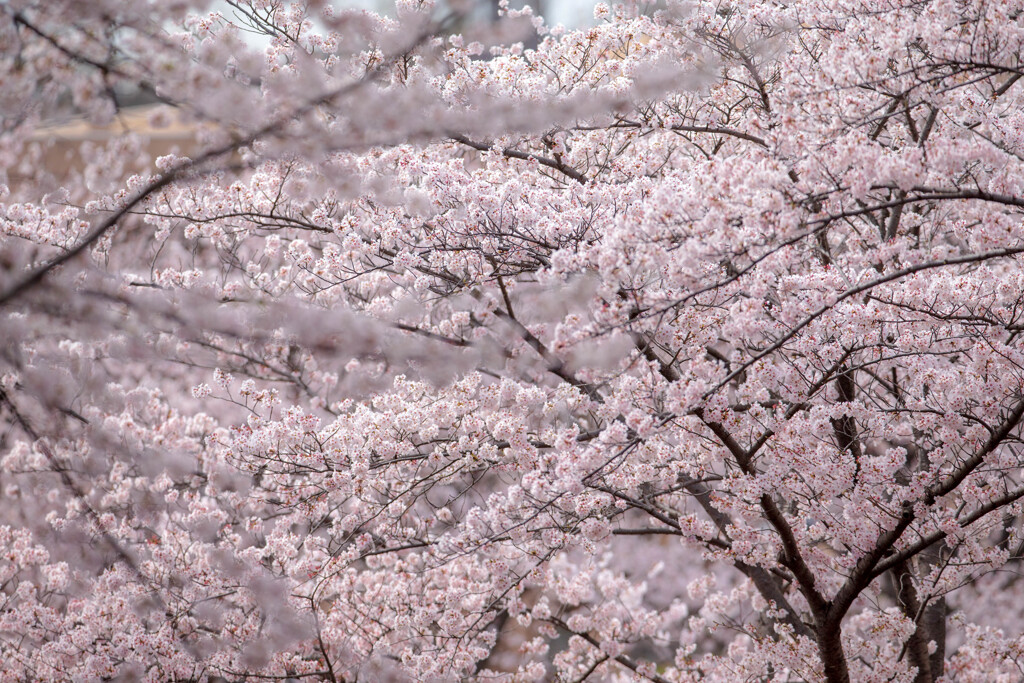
(917, 645)
(830, 649)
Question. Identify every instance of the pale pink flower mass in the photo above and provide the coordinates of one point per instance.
(686, 346)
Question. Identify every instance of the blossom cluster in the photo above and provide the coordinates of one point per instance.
(682, 347)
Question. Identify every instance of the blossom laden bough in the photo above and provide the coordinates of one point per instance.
(682, 347)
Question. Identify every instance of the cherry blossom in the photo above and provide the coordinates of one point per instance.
(684, 346)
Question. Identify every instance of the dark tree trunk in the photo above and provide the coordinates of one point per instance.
(934, 623)
(917, 646)
(830, 649)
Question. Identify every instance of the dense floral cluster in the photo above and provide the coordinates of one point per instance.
(683, 347)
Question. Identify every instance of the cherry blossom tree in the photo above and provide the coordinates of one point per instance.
(684, 347)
